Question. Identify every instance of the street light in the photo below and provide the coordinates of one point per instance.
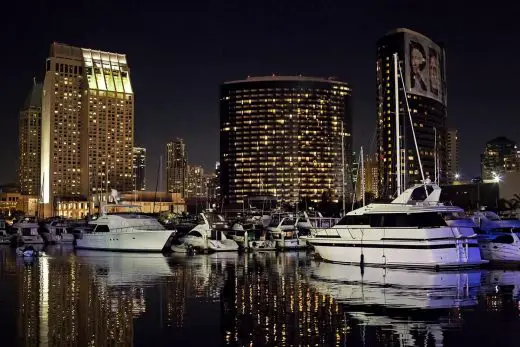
(457, 176)
(496, 177)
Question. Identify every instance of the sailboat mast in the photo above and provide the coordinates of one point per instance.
(343, 165)
(362, 176)
(435, 155)
(397, 125)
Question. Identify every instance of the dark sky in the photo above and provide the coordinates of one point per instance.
(179, 52)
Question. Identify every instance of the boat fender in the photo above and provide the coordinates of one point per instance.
(254, 244)
(362, 260)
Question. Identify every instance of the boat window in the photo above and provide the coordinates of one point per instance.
(478, 231)
(504, 239)
(403, 220)
(426, 220)
(195, 233)
(288, 221)
(100, 228)
(216, 235)
(515, 230)
(354, 220)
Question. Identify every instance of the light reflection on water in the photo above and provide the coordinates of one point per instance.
(89, 298)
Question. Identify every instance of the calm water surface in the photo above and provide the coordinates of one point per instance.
(88, 298)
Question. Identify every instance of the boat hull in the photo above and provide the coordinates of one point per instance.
(291, 244)
(500, 253)
(128, 241)
(417, 255)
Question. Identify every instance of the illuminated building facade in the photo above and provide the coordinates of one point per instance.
(500, 156)
(196, 185)
(176, 166)
(423, 68)
(371, 174)
(452, 146)
(87, 123)
(139, 164)
(30, 142)
(281, 136)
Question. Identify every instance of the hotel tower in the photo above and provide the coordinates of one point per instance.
(87, 123)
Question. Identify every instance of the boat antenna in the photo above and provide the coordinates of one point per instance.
(413, 131)
(343, 165)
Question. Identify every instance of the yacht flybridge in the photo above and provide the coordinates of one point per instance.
(411, 231)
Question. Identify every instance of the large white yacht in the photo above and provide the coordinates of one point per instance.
(122, 228)
(412, 231)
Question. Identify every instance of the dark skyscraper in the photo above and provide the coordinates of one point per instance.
(281, 136)
(452, 150)
(30, 141)
(139, 162)
(176, 166)
(423, 68)
(500, 156)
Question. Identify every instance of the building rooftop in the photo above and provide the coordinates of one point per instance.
(408, 31)
(299, 78)
(34, 99)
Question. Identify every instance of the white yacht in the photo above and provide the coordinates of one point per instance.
(204, 238)
(503, 248)
(409, 232)
(57, 231)
(285, 233)
(122, 228)
(27, 231)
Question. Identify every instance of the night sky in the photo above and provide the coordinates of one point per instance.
(180, 52)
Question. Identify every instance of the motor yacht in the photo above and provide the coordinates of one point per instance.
(57, 231)
(411, 231)
(503, 248)
(204, 238)
(284, 231)
(122, 227)
(26, 231)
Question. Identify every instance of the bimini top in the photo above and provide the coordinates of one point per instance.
(412, 200)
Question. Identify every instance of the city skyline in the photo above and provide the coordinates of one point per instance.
(200, 68)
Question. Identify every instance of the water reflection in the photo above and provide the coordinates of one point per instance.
(86, 298)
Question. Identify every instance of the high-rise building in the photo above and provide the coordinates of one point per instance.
(500, 156)
(139, 164)
(176, 166)
(281, 136)
(422, 64)
(371, 172)
(196, 185)
(30, 142)
(452, 150)
(87, 123)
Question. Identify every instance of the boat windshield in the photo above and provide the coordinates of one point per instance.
(288, 221)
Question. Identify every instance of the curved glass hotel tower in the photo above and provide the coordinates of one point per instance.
(281, 136)
(87, 123)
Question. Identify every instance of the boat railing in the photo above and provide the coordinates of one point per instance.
(323, 222)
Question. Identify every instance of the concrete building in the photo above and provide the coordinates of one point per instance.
(87, 123)
(281, 136)
(176, 166)
(29, 142)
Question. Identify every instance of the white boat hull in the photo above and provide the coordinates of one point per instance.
(31, 240)
(442, 254)
(290, 244)
(498, 252)
(137, 241)
(264, 245)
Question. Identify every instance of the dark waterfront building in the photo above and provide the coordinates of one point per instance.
(139, 168)
(423, 67)
(281, 136)
(452, 150)
(176, 166)
(500, 156)
(471, 196)
(29, 141)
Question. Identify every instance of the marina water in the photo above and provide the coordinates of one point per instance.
(92, 298)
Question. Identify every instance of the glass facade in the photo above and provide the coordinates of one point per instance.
(176, 167)
(281, 136)
(139, 163)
